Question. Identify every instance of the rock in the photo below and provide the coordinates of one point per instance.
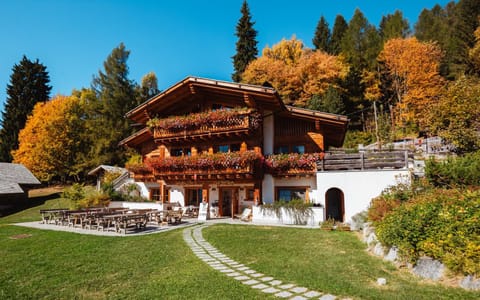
(367, 230)
(371, 239)
(378, 250)
(381, 281)
(470, 283)
(427, 267)
(392, 254)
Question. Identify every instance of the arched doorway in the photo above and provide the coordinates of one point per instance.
(334, 204)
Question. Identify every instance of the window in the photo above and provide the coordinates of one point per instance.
(289, 194)
(193, 197)
(229, 148)
(250, 195)
(300, 149)
(155, 195)
(282, 150)
(181, 152)
(223, 148)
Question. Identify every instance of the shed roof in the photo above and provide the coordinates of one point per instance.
(107, 168)
(14, 176)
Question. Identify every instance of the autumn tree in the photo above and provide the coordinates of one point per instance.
(321, 39)
(28, 85)
(456, 116)
(116, 96)
(413, 71)
(246, 44)
(340, 26)
(50, 141)
(296, 72)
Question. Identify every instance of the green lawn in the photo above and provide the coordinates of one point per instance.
(40, 264)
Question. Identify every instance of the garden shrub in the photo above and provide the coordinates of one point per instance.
(443, 224)
(95, 199)
(454, 171)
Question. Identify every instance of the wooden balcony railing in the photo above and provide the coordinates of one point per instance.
(239, 123)
(366, 160)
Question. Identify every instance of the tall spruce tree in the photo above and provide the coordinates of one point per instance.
(116, 95)
(321, 40)
(339, 28)
(28, 85)
(246, 45)
(467, 21)
(394, 26)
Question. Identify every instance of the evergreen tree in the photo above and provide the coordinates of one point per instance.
(331, 101)
(148, 88)
(116, 95)
(246, 45)
(28, 85)
(394, 26)
(339, 28)
(321, 40)
(467, 21)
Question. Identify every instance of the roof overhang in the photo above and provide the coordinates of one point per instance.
(267, 97)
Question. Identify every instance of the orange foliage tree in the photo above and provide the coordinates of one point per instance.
(296, 72)
(413, 71)
(50, 140)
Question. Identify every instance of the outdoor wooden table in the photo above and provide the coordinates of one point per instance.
(129, 220)
(55, 215)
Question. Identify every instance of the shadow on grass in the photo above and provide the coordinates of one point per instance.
(10, 207)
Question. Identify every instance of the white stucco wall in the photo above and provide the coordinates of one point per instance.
(268, 189)
(358, 187)
(177, 195)
(268, 133)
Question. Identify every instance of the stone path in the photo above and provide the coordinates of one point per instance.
(222, 263)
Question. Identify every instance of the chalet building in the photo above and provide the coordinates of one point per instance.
(234, 146)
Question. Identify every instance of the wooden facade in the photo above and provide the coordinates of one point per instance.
(199, 119)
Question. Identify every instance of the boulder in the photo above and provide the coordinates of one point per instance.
(470, 283)
(378, 250)
(392, 254)
(427, 267)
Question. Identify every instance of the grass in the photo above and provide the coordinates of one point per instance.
(39, 264)
(331, 262)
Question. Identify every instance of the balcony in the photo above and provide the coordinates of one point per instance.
(292, 164)
(206, 167)
(206, 125)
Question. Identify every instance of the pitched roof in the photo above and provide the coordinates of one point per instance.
(13, 176)
(107, 168)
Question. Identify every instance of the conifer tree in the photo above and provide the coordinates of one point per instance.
(116, 95)
(28, 85)
(246, 44)
(339, 28)
(394, 26)
(321, 40)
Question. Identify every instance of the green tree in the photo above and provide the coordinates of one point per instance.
(148, 88)
(321, 40)
(394, 26)
(339, 28)
(246, 44)
(28, 85)
(331, 101)
(116, 95)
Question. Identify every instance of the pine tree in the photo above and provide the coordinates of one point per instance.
(116, 94)
(246, 45)
(339, 28)
(394, 26)
(28, 85)
(321, 40)
(467, 21)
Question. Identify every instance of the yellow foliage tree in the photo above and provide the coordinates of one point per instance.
(296, 72)
(50, 140)
(474, 52)
(413, 69)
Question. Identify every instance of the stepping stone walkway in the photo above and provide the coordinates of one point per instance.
(267, 284)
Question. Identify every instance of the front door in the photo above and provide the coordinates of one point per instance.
(334, 204)
(226, 200)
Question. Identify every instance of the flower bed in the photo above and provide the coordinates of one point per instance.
(284, 163)
(204, 162)
(220, 117)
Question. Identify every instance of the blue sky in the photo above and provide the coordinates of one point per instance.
(174, 38)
